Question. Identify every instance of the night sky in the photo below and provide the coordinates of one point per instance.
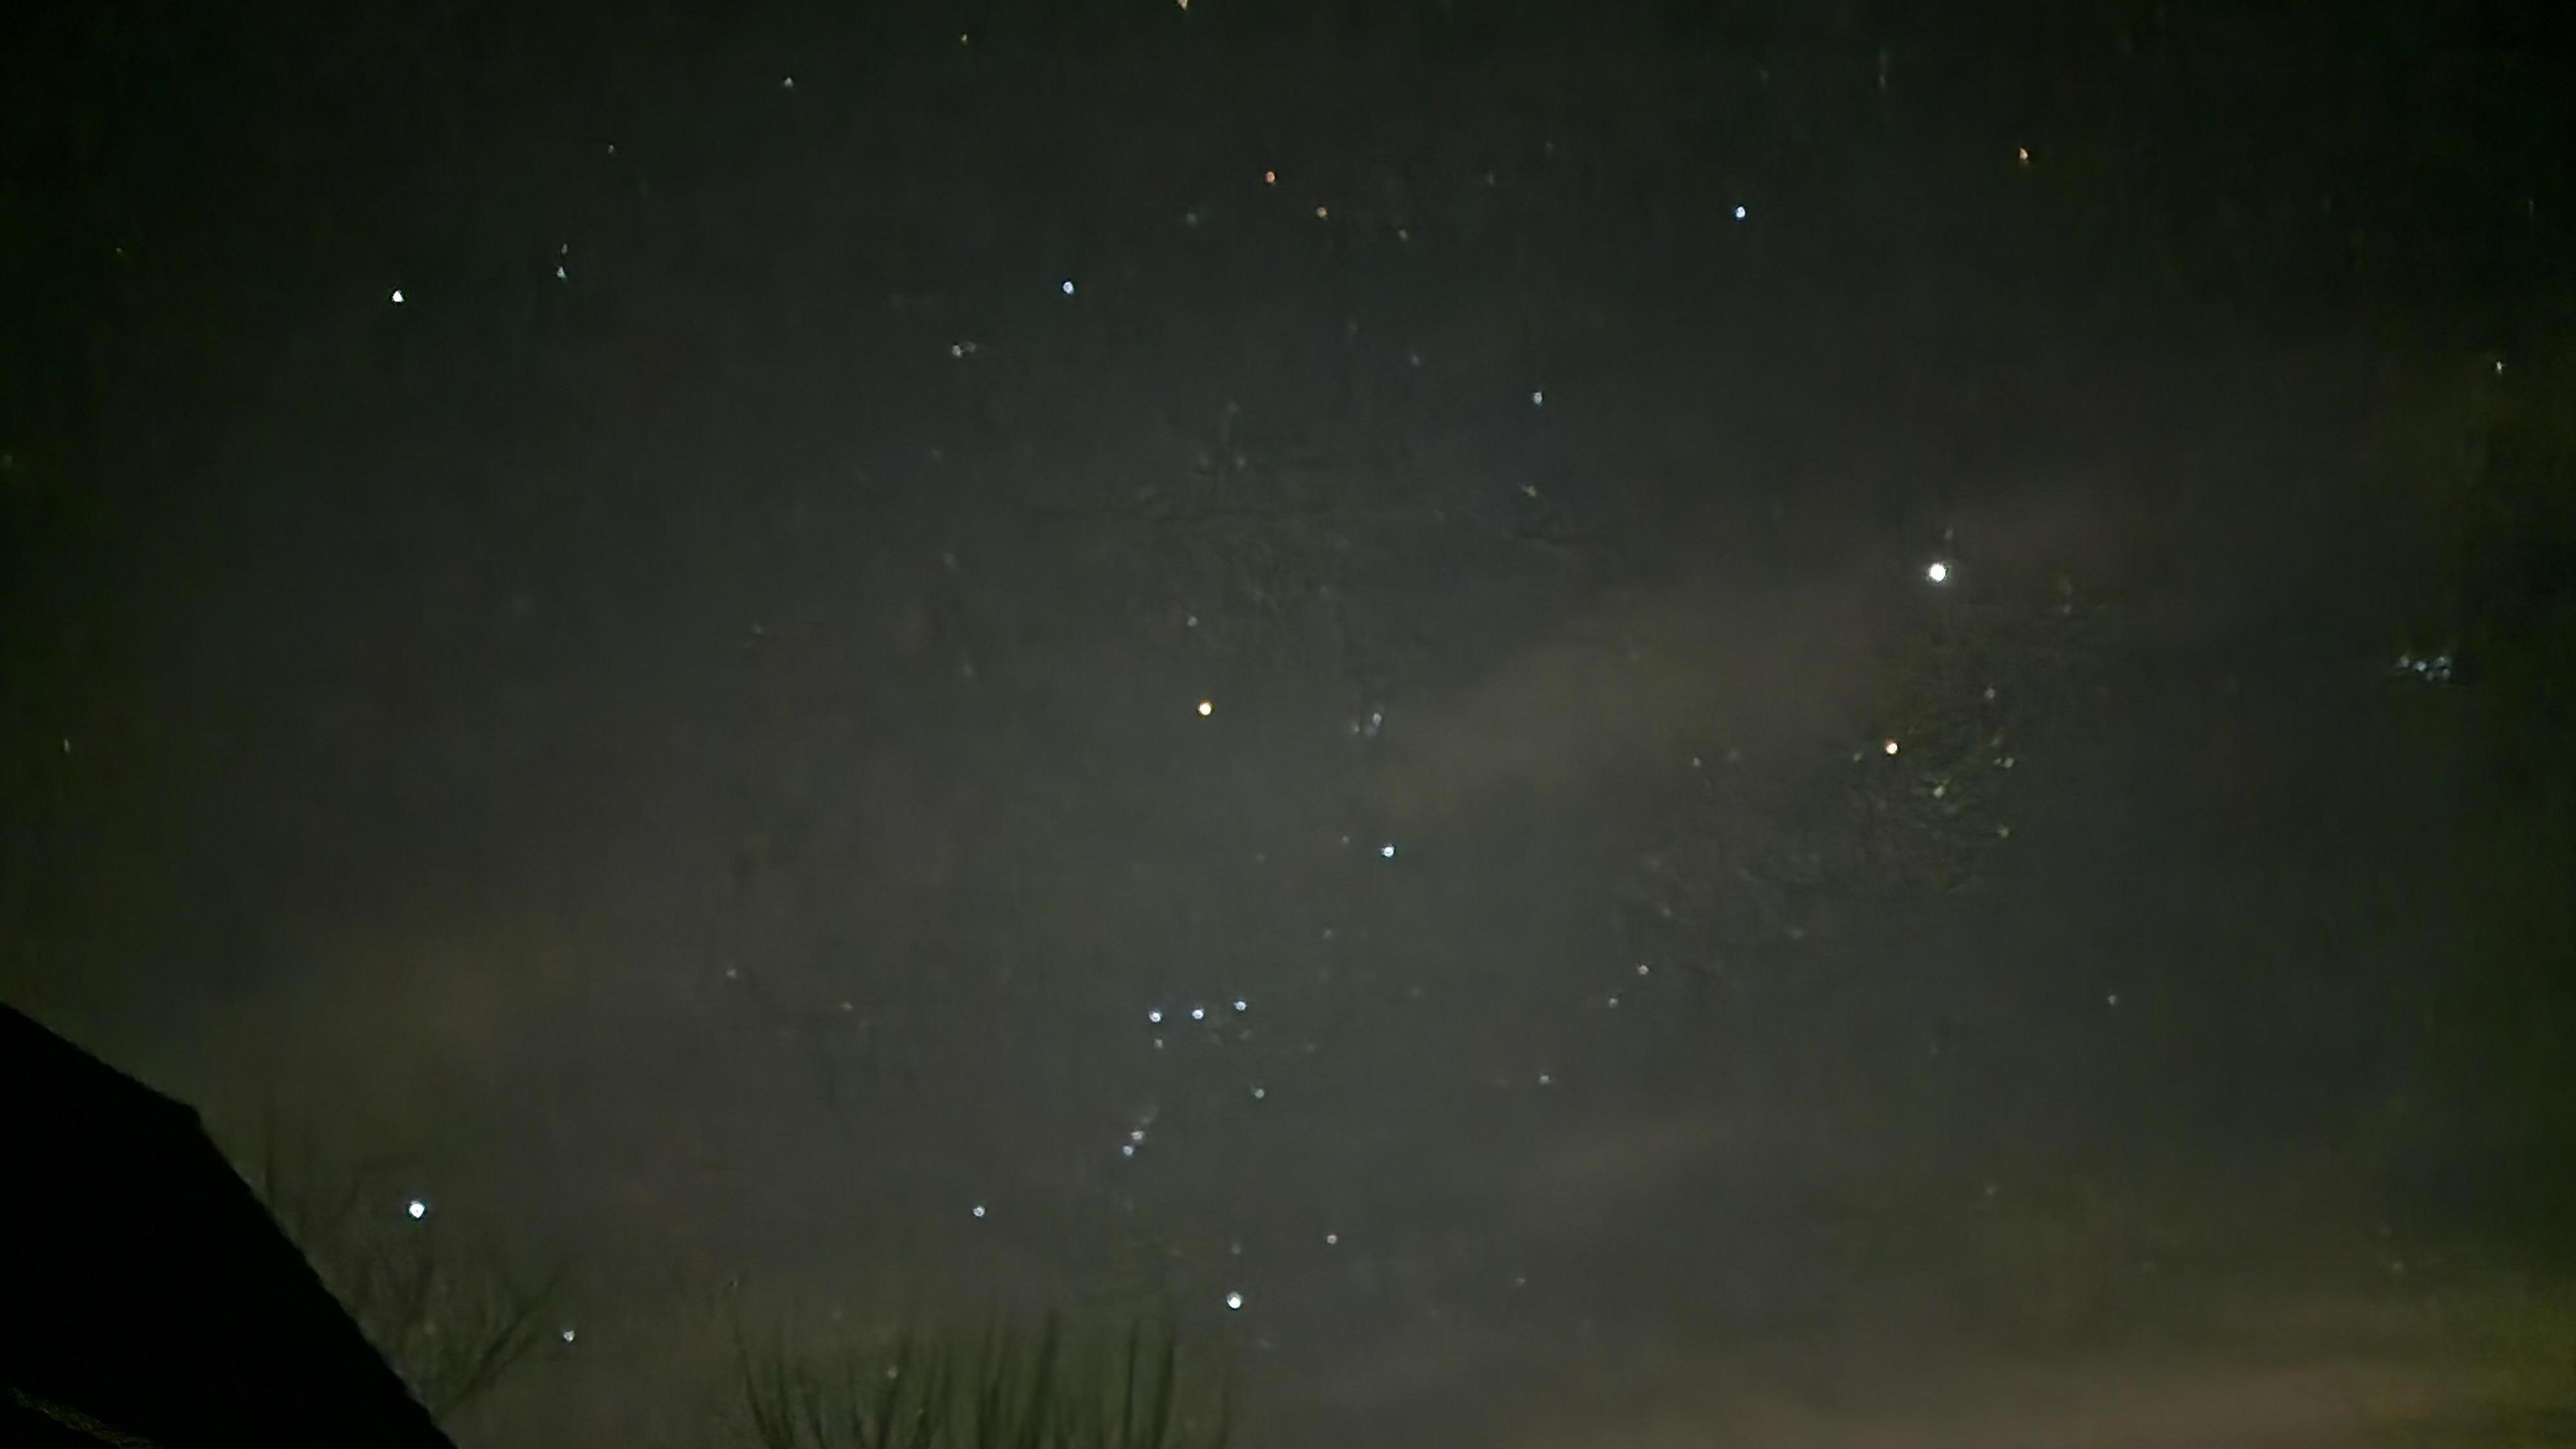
(1641, 724)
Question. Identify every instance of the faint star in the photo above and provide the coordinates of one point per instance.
(978, 1210)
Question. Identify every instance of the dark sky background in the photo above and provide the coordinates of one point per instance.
(609, 609)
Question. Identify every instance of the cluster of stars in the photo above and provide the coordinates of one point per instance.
(2432, 668)
(1937, 572)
